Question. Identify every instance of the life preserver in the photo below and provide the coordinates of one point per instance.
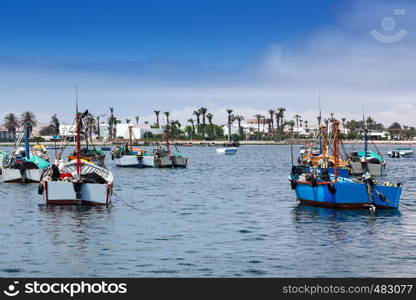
(40, 188)
(331, 188)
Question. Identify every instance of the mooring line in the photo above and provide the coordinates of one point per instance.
(125, 202)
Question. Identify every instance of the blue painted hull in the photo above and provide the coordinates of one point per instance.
(347, 195)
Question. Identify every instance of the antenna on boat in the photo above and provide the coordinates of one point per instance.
(365, 141)
(76, 98)
(335, 126)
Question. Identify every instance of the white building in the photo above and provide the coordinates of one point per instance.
(122, 130)
(67, 130)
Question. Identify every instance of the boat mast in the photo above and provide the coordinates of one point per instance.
(78, 143)
(323, 141)
(319, 122)
(167, 140)
(27, 148)
(130, 138)
(78, 123)
(336, 148)
(365, 142)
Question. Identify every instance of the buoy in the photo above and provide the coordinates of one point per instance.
(331, 188)
(40, 189)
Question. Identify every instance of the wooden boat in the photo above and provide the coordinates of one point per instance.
(22, 165)
(367, 161)
(127, 156)
(372, 163)
(227, 151)
(91, 155)
(317, 187)
(165, 158)
(77, 181)
(401, 152)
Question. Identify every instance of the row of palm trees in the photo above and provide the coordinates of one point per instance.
(13, 122)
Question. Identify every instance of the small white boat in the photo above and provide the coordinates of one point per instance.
(227, 151)
(127, 156)
(61, 184)
(77, 181)
(401, 152)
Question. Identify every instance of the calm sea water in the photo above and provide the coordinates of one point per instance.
(233, 216)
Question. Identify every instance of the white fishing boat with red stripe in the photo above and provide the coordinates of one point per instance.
(77, 181)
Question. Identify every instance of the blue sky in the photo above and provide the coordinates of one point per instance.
(139, 56)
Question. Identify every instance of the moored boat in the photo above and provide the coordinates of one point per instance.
(227, 151)
(91, 155)
(77, 181)
(317, 187)
(21, 165)
(127, 156)
(372, 163)
(165, 158)
(401, 152)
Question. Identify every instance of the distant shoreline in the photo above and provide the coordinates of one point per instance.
(221, 143)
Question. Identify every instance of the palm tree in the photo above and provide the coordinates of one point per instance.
(297, 118)
(240, 129)
(271, 113)
(306, 125)
(157, 112)
(211, 129)
(111, 123)
(128, 121)
(280, 113)
(203, 111)
(197, 113)
(98, 126)
(55, 124)
(28, 119)
(230, 121)
(370, 122)
(193, 126)
(258, 117)
(166, 113)
(11, 122)
(137, 119)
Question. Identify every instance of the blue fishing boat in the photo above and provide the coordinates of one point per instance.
(318, 187)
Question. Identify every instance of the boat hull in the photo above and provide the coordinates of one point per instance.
(163, 162)
(346, 195)
(63, 193)
(358, 168)
(127, 161)
(147, 161)
(180, 162)
(16, 176)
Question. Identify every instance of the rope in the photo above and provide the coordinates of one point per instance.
(125, 202)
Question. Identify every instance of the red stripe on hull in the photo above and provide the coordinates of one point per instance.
(338, 205)
(61, 202)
